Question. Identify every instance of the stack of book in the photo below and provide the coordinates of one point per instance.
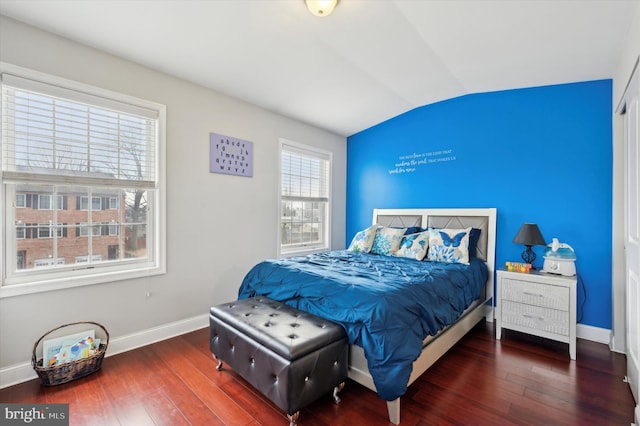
(69, 348)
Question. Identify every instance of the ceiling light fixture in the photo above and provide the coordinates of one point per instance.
(321, 7)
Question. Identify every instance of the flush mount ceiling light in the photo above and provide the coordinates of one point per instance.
(321, 7)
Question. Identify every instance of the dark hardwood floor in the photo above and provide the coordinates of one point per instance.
(520, 380)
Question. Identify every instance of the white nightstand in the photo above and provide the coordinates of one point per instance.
(537, 303)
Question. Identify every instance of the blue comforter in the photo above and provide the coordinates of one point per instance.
(388, 305)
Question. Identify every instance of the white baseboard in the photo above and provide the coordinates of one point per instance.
(23, 372)
(595, 334)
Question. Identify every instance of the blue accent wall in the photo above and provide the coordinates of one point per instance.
(541, 155)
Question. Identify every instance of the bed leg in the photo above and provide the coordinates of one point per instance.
(489, 310)
(490, 315)
(394, 411)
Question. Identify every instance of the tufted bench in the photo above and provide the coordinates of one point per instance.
(291, 356)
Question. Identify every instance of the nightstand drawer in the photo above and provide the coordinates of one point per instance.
(535, 317)
(536, 294)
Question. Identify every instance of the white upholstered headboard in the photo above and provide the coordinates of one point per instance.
(483, 219)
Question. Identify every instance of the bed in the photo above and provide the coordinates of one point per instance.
(400, 314)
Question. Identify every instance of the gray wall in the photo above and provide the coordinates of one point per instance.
(218, 226)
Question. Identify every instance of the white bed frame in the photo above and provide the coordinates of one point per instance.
(436, 346)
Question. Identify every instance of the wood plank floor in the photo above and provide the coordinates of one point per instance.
(520, 380)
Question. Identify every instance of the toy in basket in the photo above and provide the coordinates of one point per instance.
(71, 356)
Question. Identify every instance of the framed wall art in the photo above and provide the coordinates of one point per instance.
(230, 156)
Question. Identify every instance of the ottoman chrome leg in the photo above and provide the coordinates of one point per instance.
(293, 418)
(219, 366)
(337, 389)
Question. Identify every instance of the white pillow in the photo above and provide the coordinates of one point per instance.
(414, 246)
(363, 240)
(449, 245)
(387, 240)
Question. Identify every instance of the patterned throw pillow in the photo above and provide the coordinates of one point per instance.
(363, 240)
(449, 245)
(387, 240)
(414, 246)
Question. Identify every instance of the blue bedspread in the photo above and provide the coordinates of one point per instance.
(388, 305)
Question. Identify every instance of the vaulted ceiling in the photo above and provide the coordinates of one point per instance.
(367, 62)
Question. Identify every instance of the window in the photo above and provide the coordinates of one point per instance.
(113, 203)
(96, 203)
(44, 202)
(79, 161)
(113, 228)
(304, 198)
(96, 229)
(20, 231)
(21, 201)
(47, 230)
(44, 230)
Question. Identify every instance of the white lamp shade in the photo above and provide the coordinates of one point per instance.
(321, 7)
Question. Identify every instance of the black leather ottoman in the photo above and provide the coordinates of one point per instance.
(292, 357)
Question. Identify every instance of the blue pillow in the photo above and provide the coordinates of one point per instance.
(413, 230)
(474, 236)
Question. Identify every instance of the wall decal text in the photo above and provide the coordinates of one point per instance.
(411, 162)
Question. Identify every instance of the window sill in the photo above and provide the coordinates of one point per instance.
(25, 288)
(302, 252)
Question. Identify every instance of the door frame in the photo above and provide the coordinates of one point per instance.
(631, 252)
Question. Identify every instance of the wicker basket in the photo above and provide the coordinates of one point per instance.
(72, 370)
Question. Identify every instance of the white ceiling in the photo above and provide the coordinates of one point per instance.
(367, 62)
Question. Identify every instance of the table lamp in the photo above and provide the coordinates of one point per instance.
(529, 235)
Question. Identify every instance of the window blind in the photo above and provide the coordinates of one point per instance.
(70, 136)
(304, 177)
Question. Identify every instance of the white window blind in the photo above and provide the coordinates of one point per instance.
(304, 176)
(59, 132)
(304, 198)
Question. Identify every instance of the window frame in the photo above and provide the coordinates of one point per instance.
(36, 280)
(114, 228)
(23, 204)
(325, 243)
(85, 199)
(55, 202)
(22, 235)
(41, 198)
(49, 231)
(112, 201)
